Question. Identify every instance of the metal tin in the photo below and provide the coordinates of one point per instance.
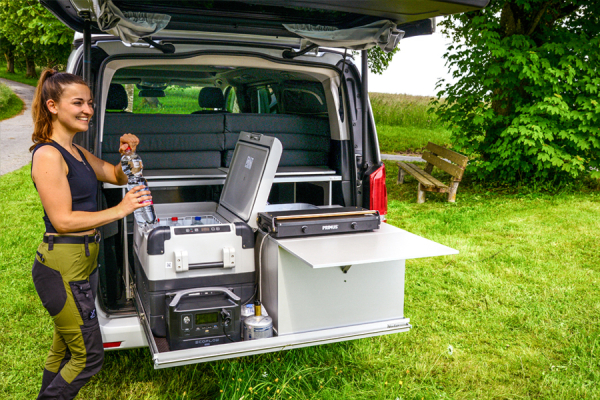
(258, 327)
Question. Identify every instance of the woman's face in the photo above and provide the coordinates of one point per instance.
(74, 109)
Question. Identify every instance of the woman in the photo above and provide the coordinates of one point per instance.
(64, 272)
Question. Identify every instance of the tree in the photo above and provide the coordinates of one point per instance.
(8, 49)
(35, 33)
(379, 60)
(525, 105)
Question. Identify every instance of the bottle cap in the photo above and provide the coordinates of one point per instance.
(174, 218)
(197, 218)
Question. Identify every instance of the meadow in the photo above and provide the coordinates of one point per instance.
(405, 124)
(515, 315)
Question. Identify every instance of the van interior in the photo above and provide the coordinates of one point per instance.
(188, 119)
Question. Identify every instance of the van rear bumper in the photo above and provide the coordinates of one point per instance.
(124, 330)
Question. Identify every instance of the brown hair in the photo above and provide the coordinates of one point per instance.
(50, 86)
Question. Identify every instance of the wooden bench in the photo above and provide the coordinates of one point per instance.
(444, 159)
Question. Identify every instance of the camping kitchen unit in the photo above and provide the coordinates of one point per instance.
(269, 186)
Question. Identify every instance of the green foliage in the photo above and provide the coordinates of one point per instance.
(10, 103)
(34, 32)
(379, 60)
(525, 106)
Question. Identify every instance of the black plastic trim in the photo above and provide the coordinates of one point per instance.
(245, 231)
(156, 240)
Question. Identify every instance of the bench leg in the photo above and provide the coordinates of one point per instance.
(452, 191)
(400, 176)
(420, 194)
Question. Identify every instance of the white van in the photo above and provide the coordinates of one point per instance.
(220, 86)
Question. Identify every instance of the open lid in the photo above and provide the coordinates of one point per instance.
(255, 17)
(250, 176)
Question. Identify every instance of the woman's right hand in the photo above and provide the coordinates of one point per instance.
(137, 197)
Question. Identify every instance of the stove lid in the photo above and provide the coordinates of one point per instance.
(250, 176)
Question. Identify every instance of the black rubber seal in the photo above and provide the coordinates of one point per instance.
(156, 240)
(242, 229)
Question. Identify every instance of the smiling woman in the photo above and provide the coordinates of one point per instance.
(64, 271)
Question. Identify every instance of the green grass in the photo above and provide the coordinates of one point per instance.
(10, 103)
(401, 139)
(516, 315)
(403, 110)
(178, 100)
(404, 124)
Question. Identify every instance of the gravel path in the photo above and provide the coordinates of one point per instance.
(15, 133)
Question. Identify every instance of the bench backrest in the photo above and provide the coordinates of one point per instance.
(170, 141)
(440, 157)
(306, 140)
(208, 140)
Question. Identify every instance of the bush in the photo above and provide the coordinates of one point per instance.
(525, 106)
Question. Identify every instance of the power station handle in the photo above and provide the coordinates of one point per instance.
(199, 291)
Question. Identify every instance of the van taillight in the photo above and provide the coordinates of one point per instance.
(111, 345)
(378, 195)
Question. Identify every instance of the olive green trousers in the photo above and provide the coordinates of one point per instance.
(65, 278)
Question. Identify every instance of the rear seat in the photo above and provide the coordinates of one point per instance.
(208, 140)
(306, 140)
(168, 141)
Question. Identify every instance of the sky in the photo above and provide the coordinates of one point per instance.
(415, 69)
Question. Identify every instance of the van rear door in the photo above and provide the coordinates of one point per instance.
(266, 17)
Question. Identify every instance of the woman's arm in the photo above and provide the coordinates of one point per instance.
(106, 172)
(49, 173)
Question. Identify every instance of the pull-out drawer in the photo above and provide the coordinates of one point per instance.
(319, 290)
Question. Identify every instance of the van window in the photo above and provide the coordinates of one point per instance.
(172, 99)
(231, 101)
(263, 100)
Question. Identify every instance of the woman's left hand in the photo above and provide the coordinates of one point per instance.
(128, 140)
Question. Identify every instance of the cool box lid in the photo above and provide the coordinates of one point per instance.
(250, 176)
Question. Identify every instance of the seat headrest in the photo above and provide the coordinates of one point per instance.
(116, 98)
(211, 97)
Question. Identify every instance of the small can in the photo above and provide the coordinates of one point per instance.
(258, 327)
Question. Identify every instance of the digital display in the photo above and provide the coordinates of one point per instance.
(207, 318)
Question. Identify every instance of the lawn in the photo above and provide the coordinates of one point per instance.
(516, 315)
(10, 103)
(405, 123)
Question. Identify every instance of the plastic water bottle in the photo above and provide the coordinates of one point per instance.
(132, 166)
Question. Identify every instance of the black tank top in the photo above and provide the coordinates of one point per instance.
(82, 181)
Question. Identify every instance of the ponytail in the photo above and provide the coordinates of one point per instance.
(50, 86)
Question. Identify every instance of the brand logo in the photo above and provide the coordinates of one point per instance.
(93, 314)
(393, 325)
(329, 227)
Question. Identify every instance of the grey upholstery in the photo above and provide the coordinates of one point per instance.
(167, 141)
(208, 141)
(306, 140)
(116, 98)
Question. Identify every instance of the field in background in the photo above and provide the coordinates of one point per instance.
(404, 124)
(516, 315)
